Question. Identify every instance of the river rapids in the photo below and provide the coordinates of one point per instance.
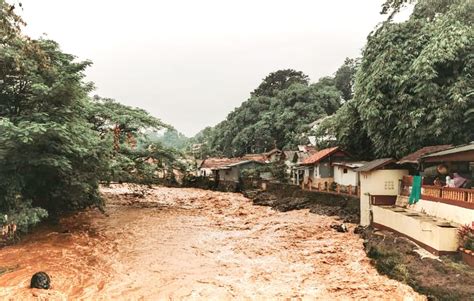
(191, 244)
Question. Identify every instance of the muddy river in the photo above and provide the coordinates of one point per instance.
(193, 244)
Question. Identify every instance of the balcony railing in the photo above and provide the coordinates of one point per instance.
(454, 196)
(447, 193)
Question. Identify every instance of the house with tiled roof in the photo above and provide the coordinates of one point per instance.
(317, 168)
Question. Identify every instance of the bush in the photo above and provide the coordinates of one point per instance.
(466, 237)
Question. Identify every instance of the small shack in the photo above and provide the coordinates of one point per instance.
(229, 176)
(345, 173)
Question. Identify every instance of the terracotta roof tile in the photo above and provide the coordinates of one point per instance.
(318, 156)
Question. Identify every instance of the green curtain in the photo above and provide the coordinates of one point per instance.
(415, 194)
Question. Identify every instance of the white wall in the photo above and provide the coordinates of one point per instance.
(425, 231)
(451, 213)
(349, 178)
(205, 172)
(378, 182)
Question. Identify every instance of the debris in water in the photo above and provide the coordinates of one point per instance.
(40, 280)
(340, 228)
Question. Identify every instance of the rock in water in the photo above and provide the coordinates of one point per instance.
(340, 228)
(40, 280)
(359, 229)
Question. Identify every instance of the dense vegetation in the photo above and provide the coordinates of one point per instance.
(56, 142)
(277, 113)
(414, 86)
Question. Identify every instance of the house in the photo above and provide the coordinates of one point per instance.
(205, 169)
(413, 160)
(290, 159)
(318, 172)
(378, 185)
(293, 158)
(274, 155)
(432, 217)
(229, 176)
(345, 174)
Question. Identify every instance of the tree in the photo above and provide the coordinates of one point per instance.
(412, 86)
(280, 80)
(264, 122)
(56, 143)
(49, 155)
(344, 77)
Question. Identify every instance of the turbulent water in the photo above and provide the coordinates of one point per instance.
(193, 244)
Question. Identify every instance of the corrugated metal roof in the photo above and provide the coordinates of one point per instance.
(218, 162)
(351, 165)
(453, 150)
(375, 164)
(416, 156)
(238, 163)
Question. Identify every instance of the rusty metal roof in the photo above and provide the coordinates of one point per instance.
(375, 164)
(416, 156)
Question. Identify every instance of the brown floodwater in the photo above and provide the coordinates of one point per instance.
(193, 244)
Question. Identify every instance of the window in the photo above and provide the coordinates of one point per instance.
(389, 185)
(345, 170)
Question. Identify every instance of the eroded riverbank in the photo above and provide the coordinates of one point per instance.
(194, 244)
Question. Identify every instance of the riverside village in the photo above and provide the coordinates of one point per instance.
(245, 150)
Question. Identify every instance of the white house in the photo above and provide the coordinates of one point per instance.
(345, 174)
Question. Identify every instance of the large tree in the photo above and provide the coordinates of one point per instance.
(414, 83)
(56, 143)
(275, 119)
(280, 80)
(344, 77)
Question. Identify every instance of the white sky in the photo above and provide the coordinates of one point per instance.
(191, 62)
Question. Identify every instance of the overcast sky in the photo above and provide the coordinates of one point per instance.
(192, 62)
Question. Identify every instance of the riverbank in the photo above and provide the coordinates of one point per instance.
(439, 278)
(182, 243)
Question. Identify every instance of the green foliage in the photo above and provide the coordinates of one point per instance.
(56, 142)
(344, 77)
(171, 138)
(389, 263)
(466, 237)
(272, 119)
(414, 82)
(280, 80)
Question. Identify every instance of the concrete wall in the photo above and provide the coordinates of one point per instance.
(349, 178)
(431, 236)
(229, 175)
(377, 182)
(449, 212)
